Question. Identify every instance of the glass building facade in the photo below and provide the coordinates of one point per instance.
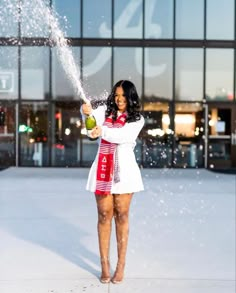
(181, 55)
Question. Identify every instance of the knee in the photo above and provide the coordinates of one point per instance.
(122, 217)
(104, 216)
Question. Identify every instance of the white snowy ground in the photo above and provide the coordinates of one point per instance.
(182, 233)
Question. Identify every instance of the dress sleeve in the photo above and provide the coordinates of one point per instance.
(99, 114)
(126, 134)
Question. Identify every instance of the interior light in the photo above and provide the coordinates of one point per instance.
(166, 119)
(211, 122)
(169, 131)
(25, 128)
(185, 118)
(58, 115)
(156, 132)
(67, 131)
(78, 123)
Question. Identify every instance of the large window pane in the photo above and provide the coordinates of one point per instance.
(158, 19)
(189, 19)
(219, 74)
(66, 138)
(35, 18)
(189, 74)
(33, 131)
(63, 87)
(97, 71)
(158, 73)
(97, 22)
(35, 73)
(69, 12)
(70, 144)
(8, 18)
(189, 135)
(8, 73)
(156, 135)
(128, 19)
(97, 85)
(128, 65)
(220, 19)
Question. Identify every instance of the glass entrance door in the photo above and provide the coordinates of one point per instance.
(221, 136)
(33, 134)
(7, 134)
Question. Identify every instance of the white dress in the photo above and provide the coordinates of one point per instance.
(125, 138)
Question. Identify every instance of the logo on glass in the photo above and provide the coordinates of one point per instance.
(6, 81)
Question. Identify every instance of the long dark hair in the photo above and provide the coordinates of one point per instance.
(133, 101)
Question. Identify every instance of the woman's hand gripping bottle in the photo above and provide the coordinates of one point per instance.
(90, 121)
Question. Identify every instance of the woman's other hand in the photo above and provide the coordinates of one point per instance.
(87, 109)
(96, 132)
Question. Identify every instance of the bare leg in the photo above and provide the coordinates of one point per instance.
(105, 215)
(121, 214)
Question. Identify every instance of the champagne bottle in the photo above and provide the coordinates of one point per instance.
(90, 123)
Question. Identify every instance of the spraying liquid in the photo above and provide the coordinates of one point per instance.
(40, 18)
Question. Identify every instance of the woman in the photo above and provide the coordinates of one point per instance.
(115, 175)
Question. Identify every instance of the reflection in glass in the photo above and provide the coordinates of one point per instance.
(35, 73)
(128, 65)
(158, 73)
(8, 73)
(8, 18)
(62, 87)
(156, 135)
(189, 74)
(33, 133)
(189, 19)
(220, 19)
(219, 122)
(128, 19)
(97, 71)
(69, 20)
(189, 134)
(97, 22)
(66, 138)
(220, 131)
(34, 19)
(7, 134)
(219, 74)
(158, 19)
